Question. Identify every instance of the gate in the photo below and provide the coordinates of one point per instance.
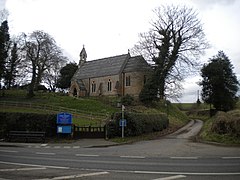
(88, 132)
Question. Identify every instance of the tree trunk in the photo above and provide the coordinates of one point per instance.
(32, 84)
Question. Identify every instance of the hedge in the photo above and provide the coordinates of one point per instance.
(137, 124)
(27, 122)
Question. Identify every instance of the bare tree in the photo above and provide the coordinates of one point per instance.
(173, 45)
(51, 75)
(4, 15)
(41, 54)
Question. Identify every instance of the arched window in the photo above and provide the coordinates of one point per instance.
(93, 86)
(128, 81)
(109, 85)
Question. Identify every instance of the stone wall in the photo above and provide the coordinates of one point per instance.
(101, 87)
(136, 83)
(117, 82)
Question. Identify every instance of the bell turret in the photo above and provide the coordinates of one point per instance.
(83, 57)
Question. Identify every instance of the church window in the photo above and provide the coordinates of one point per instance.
(93, 86)
(128, 81)
(109, 85)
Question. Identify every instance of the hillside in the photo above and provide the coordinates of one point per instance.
(86, 111)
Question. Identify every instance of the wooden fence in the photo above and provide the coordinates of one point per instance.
(75, 112)
(89, 132)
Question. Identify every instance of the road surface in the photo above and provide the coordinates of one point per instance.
(172, 157)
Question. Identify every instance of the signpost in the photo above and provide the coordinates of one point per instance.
(123, 122)
(64, 123)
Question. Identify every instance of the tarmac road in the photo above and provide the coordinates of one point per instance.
(171, 157)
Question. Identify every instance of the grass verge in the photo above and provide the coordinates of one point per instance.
(208, 136)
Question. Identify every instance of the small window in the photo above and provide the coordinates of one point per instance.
(93, 86)
(109, 85)
(128, 81)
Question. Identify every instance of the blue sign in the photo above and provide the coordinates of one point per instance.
(64, 129)
(123, 122)
(64, 118)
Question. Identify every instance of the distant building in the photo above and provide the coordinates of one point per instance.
(112, 76)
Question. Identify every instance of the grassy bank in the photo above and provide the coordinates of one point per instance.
(89, 112)
(90, 107)
(223, 128)
(207, 133)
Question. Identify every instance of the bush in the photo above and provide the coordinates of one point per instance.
(127, 100)
(227, 123)
(27, 122)
(137, 124)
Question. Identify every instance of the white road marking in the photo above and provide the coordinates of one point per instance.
(230, 157)
(87, 155)
(76, 147)
(171, 177)
(77, 176)
(136, 157)
(45, 153)
(183, 157)
(57, 147)
(9, 151)
(44, 145)
(186, 173)
(35, 165)
(67, 147)
(22, 169)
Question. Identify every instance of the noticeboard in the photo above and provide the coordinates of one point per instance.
(64, 129)
(64, 118)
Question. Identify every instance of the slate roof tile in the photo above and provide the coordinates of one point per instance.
(111, 66)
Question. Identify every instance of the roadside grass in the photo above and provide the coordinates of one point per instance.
(192, 109)
(209, 136)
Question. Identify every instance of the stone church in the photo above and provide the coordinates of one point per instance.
(112, 76)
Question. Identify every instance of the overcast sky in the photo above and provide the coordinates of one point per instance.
(111, 27)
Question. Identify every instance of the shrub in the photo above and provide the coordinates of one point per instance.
(137, 124)
(127, 100)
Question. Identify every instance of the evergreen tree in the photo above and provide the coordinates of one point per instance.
(149, 91)
(4, 46)
(11, 67)
(66, 74)
(219, 84)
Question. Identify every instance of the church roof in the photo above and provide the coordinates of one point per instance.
(111, 66)
(136, 63)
